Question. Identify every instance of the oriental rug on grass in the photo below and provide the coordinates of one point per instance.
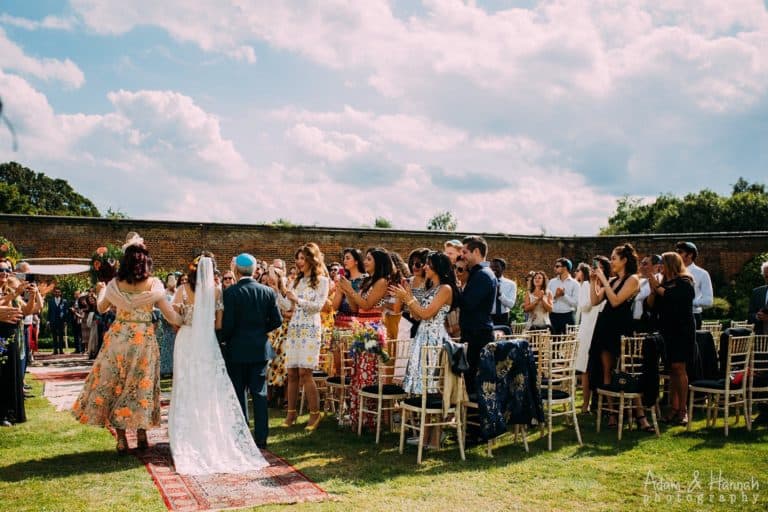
(278, 483)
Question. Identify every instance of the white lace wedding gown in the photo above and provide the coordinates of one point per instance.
(206, 427)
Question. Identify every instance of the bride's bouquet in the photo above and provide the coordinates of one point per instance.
(104, 263)
(370, 338)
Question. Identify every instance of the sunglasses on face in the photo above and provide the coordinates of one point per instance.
(5, 271)
(558, 266)
(417, 264)
(228, 278)
(460, 270)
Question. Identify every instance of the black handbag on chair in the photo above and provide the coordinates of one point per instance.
(623, 381)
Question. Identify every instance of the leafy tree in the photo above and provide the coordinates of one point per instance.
(115, 214)
(283, 223)
(748, 279)
(26, 192)
(381, 222)
(706, 211)
(443, 221)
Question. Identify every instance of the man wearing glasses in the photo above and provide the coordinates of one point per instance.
(565, 290)
(702, 284)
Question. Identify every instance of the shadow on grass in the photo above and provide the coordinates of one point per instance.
(68, 464)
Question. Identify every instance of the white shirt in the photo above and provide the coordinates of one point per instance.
(702, 285)
(507, 296)
(644, 293)
(569, 300)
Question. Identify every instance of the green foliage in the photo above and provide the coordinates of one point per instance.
(8, 250)
(720, 309)
(115, 214)
(748, 279)
(744, 210)
(283, 223)
(72, 282)
(23, 191)
(383, 223)
(443, 221)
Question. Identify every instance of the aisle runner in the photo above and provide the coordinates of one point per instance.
(278, 483)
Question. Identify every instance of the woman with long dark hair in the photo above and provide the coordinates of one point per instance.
(615, 320)
(672, 300)
(354, 272)
(538, 302)
(369, 303)
(123, 388)
(432, 309)
(308, 294)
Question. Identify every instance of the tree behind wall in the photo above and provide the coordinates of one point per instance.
(24, 191)
(443, 221)
(746, 209)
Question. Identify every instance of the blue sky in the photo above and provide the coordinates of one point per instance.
(518, 116)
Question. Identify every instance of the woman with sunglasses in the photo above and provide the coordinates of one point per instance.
(12, 311)
(432, 309)
(417, 283)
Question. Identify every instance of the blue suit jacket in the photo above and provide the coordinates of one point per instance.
(58, 315)
(250, 313)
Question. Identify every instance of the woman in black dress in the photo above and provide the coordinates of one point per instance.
(615, 320)
(672, 300)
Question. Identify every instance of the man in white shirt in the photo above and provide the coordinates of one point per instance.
(702, 284)
(565, 290)
(506, 293)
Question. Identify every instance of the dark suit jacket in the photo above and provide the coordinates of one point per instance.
(756, 303)
(250, 313)
(58, 315)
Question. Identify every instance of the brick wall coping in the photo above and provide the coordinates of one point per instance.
(133, 224)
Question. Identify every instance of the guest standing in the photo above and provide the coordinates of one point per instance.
(565, 296)
(615, 320)
(589, 314)
(538, 303)
(476, 303)
(673, 301)
(123, 388)
(167, 335)
(302, 341)
(354, 272)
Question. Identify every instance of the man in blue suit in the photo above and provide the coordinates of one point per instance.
(58, 310)
(250, 313)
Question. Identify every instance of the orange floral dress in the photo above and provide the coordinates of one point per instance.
(123, 388)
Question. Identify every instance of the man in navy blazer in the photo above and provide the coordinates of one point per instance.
(58, 311)
(250, 313)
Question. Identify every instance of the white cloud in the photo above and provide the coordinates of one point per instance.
(49, 22)
(12, 57)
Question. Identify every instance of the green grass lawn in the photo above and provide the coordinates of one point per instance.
(52, 463)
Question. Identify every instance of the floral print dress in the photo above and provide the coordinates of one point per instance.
(431, 333)
(365, 371)
(304, 335)
(123, 388)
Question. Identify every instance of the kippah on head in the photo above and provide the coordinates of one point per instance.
(656, 259)
(568, 264)
(245, 260)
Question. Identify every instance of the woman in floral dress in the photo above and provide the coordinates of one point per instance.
(431, 310)
(277, 374)
(368, 302)
(302, 341)
(123, 388)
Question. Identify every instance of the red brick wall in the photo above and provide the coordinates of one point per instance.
(172, 244)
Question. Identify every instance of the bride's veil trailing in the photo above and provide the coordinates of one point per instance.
(206, 426)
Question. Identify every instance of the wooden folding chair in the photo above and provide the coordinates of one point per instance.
(388, 389)
(559, 373)
(423, 411)
(734, 395)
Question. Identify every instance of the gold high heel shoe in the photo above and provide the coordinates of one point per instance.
(290, 419)
(311, 427)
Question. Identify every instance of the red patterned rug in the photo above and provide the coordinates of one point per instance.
(278, 483)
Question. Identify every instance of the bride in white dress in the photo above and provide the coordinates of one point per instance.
(207, 430)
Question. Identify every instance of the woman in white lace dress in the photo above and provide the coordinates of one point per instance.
(308, 294)
(207, 430)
